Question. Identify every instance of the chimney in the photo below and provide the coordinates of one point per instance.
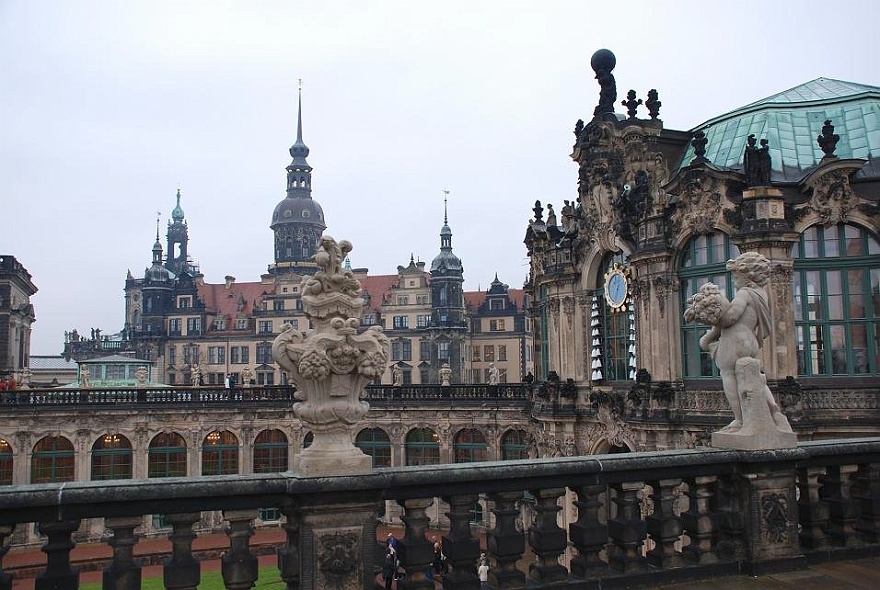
(230, 280)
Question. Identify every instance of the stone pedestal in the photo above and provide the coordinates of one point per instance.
(337, 544)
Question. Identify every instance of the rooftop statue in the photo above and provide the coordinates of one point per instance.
(738, 329)
(331, 364)
(603, 62)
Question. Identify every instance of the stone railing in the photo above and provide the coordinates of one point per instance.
(640, 519)
(509, 392)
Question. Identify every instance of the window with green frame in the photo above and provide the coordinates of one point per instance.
(422, 447)
(220, 453)
(111, 458)
(53, 460)
(375, 443)
(470, 446)
(615, 327)
(166, 456)
(270, 452)
(836, 286)
(702, 261)
(515, 445)
(5, 463)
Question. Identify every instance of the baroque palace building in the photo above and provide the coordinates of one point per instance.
(179, 321)
(657, 214)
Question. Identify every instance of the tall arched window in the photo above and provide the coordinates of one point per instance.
(52, 460)
(375, 443)
(703, 261)
(166, 456)
(111, 458)
(611, 336)
(515, 445)
(422, 447)
(5, 463)
(837, 301)
(220, 453)
(470, 446)
(270, 452)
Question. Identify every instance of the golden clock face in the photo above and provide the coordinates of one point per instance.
(617, 287)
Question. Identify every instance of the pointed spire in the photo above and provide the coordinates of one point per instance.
(299, 111)
(177, 212)
(445, 216)
(299, 173)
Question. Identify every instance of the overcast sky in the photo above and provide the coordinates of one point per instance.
(106, 107)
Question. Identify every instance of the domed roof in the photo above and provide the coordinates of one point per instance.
(791, 120)
(177, 212)
(446, 261)
(158, 274)
(303, 210)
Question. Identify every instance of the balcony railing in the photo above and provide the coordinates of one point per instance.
(260, 395)
(639, 519)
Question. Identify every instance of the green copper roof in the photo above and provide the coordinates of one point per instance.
(791, 121)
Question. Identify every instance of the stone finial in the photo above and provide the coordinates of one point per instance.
(653, 103)
(578, 129)
(539, 212)
(699, 142)
(631, 103)
(332, 364)
(828, 140)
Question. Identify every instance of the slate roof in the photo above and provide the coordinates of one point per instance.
(51, 363)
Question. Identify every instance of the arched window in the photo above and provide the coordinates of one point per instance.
(422, 447)
(270, 452)
(612, 335)
(375, 443)
(836, 286)
(52, 460)
(5, 463)
(220, 453)
(111, 458)
(702, 261)
(470, 446)
(515, 445)
(166, 456)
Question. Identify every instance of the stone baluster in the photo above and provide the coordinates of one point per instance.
(461, 548)
(812, 509)
(288, 554)
(123, 573)
(239, 564)
(58, 575)
(505, 543)
(729, 521)
(664, 525)
(626, 530)
(547, 538)
(867, 496)
(416, 552)
(697, 521)
(588, 534)
(841, 507)
(6, 531)
(181, 571)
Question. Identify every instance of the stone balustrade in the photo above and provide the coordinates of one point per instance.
(639, 519)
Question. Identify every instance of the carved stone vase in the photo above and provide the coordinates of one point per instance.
(331, 364)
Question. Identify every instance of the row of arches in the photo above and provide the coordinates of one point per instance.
(53, 458)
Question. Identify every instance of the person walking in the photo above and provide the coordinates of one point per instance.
(483, 574)
(389, 568)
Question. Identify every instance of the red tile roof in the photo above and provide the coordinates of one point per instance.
(474, 299)
(222, 301)
(378, 287)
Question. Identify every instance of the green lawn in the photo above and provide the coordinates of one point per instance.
(213, 580)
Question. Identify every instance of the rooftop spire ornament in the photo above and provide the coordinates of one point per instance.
(331, 364)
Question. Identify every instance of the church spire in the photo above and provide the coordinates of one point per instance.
(299, 173)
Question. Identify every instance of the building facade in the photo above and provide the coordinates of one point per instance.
(659, 212)
(16, 316)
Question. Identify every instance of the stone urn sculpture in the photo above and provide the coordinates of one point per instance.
(331, 365)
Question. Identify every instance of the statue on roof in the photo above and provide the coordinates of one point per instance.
(631, 103)
(653, 103)
(603, 62)
(828, 140)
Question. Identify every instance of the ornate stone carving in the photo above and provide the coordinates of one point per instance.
(603, 62)
(774, 510)
(642, 292)
(631, 103)
(833, 197)
(738, 330)
(700, 203)
(828, 140)
(338, 557)
(553, 307)
(568, 307)
(653, 104)
(665, 285)
(332, 364)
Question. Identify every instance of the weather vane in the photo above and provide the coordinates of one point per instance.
(445, 216)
